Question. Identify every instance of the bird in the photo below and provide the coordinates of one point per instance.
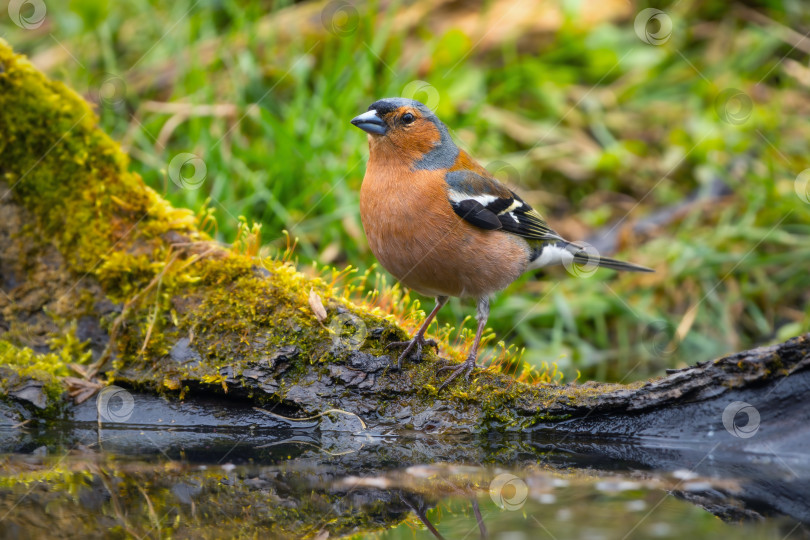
(443, 226)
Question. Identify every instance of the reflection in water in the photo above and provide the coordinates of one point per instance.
(283, 482)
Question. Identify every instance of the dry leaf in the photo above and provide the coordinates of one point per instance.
(317, 306)
(81, 390)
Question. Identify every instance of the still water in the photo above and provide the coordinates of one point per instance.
(222, 474)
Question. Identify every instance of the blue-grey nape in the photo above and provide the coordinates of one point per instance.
(443, 155)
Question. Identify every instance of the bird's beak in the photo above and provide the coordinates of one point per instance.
(370, 123)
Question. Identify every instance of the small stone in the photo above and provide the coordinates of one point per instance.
(32, 392)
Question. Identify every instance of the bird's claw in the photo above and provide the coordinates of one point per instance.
(417, 343)
(468, 366)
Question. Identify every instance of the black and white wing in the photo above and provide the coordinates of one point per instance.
(488, 204)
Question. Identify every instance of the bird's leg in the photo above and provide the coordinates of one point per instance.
(469, 364)
(482, 528)
(419, 341)
(419, 510)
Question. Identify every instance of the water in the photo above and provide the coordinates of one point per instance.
(212, 473)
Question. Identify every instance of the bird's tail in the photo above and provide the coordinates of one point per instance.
(559, 251)
(589, 257)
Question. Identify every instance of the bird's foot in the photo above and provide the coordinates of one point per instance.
(468, 366)
(414, 346)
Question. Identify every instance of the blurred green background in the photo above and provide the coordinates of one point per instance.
(673, 137)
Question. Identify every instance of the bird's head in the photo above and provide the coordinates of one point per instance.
(406, 129)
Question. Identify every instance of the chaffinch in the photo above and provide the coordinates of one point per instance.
(442, 225)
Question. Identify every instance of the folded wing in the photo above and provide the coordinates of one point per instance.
(488, 204)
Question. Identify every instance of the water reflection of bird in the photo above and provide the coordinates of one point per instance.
(443, 225)
(419, 507)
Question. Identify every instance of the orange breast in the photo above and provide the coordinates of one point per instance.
(416, 236)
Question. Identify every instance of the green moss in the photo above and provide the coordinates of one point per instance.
(25, 365)
(42, 367)
(69, 347)
(71, 175)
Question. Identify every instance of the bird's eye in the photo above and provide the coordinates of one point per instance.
(408, 118)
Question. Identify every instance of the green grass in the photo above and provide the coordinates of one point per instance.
(590, 123)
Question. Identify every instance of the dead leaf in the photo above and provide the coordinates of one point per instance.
(81, 390)
(317, 306)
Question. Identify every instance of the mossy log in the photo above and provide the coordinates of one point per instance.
(101, 277)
